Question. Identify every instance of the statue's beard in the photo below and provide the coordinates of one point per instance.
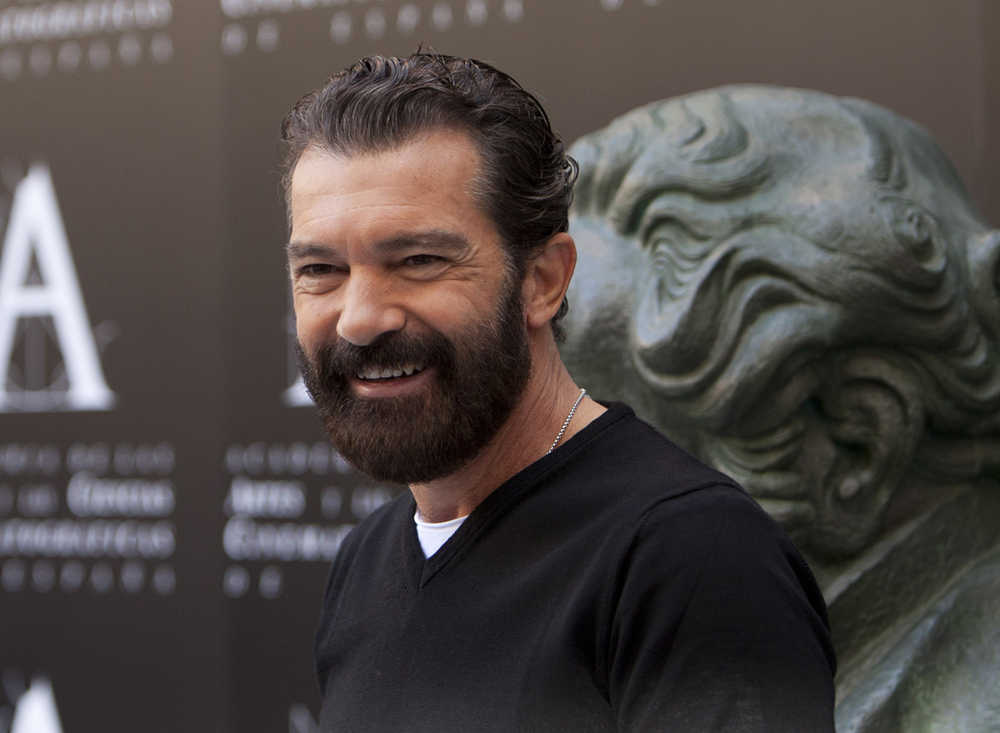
(478, 377)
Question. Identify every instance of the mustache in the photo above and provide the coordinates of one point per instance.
(335, 362)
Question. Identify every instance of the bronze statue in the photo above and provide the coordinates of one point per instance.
(796, 288)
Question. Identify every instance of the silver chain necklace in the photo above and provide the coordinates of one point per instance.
(566, 422)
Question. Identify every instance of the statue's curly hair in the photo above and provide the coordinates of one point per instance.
(862, 295)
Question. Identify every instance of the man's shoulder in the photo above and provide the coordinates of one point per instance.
(621, 453)
(685, 507)
(652, 490)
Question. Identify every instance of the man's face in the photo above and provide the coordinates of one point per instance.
(411, 334)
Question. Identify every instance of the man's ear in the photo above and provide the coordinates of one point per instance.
(547, 279)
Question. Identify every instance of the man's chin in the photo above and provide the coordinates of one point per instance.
(402, 467)
(401, 439)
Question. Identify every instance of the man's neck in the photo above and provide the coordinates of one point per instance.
(525, 437)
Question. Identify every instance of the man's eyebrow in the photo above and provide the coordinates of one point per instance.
(302, 250)
(437, 239)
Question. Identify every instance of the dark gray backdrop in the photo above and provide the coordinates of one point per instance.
(158, 123)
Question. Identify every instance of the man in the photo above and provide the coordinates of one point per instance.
(803, 295)
(557, 565)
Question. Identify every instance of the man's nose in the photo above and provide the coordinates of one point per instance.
(368, 310)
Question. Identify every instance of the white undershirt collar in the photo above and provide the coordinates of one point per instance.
(434, 534)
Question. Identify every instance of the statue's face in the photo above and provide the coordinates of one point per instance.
(711, 313)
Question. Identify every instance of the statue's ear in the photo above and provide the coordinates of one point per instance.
(870, 416)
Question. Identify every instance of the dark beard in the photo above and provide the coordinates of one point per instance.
(479, 377)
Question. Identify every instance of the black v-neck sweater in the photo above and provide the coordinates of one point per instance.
(615, 584)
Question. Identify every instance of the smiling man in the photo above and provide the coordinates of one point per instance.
(557, 564)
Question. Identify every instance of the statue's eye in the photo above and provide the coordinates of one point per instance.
(672, 243)
(667, 270)
(694, 248)
(685, 244)
(676, 252)
(662, 256)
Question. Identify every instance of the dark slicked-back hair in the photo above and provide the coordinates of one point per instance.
(526, 180)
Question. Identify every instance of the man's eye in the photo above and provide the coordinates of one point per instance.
(315, 270)
(422, 260)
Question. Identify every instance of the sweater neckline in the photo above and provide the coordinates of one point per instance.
(422, 569)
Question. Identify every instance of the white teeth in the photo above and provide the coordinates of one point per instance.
(402, 371)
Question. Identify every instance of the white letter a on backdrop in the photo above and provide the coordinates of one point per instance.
(36, 227)
(35, 711)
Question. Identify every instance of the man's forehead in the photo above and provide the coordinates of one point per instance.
(442, 164)
(428, 152)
